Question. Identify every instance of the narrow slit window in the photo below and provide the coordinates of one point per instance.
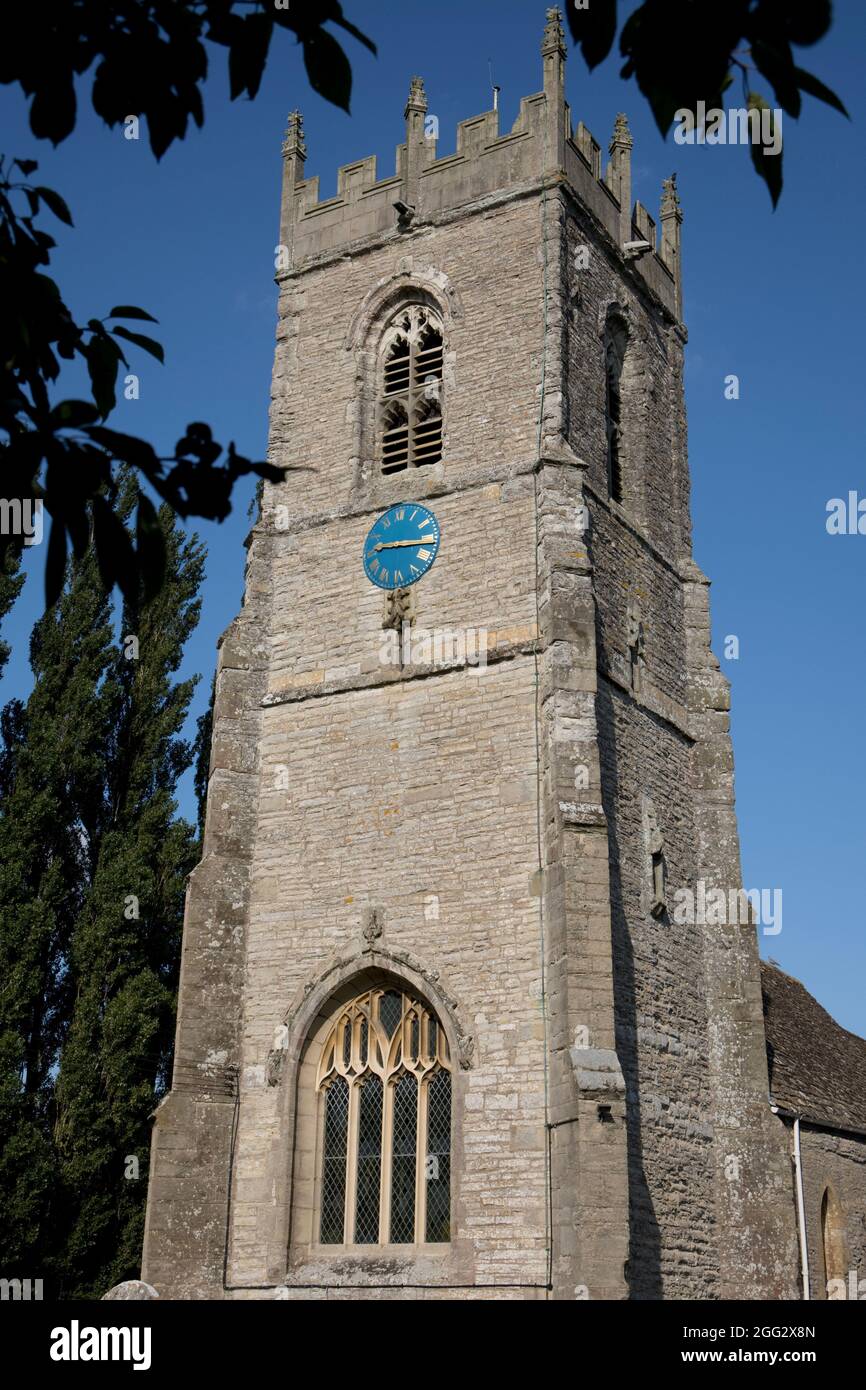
(636, 657)
(659, 886)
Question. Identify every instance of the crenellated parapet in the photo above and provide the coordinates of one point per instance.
(542, 147)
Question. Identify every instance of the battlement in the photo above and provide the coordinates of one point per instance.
(542, 147)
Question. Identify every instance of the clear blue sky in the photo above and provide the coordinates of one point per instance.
(777, 298)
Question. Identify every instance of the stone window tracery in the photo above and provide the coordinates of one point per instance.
(384, 1084)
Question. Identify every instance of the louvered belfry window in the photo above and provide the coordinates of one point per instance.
(384, 1079)
(410, 406)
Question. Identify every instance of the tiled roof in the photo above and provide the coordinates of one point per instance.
(816, 1068)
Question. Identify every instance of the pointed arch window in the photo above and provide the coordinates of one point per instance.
(615, 348)
(384, 1082)
(410, 390)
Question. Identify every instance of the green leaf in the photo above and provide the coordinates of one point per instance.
(774, 62)
(27, 166)
(129, 311)
(150, 546)
(339, 18)
(166, 121)
(593, 29)
(274, 473)
(807, 83)
(52, 114)
(767, 166)
(248, 54)
(136, 452)
(807, 21)
(679, 52)
(114, 552)
(147, 344)
(72, 415)
(55, 562)
(328, 69)
(75, 516)
(56, 204)
(102, 359)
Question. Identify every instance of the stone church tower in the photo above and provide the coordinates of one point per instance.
(440, 1034)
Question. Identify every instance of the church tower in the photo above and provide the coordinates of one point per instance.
(441, 1032)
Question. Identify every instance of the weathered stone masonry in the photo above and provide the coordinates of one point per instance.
(483, 835)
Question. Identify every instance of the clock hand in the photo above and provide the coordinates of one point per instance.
(391, 545)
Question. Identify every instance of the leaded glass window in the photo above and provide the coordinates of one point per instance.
(384, 1080)
(334, 1167)
(438, 1150)
(404, 1144)
(369, 1161)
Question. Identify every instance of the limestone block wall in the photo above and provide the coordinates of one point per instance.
(486, 270)
(645, 746)
(837, 1161)
(653, 457)
(661, 1009)
(191, 1146)
(417, 798)
(327, 622)
(689, 1032)
(414, 792)
(633, 579)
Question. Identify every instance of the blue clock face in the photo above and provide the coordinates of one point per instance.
(401, 546)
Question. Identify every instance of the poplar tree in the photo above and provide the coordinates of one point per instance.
(11, 581)
(51, 773)
(93, 864)
(125, 944)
